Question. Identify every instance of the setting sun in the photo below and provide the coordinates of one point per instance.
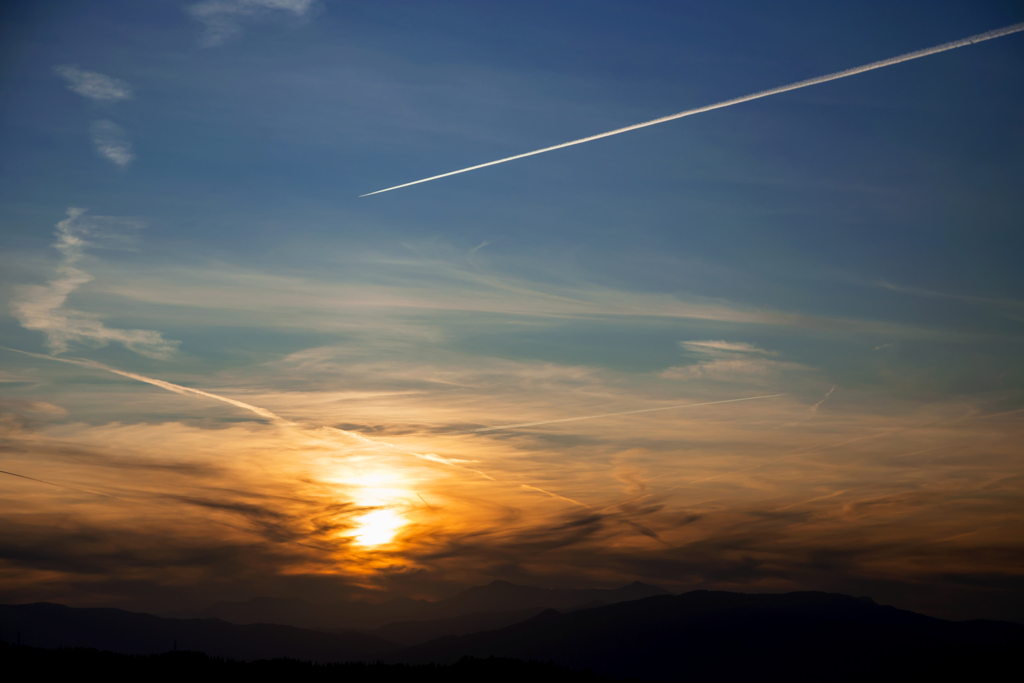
(378, 527)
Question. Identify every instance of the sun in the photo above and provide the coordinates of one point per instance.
(383, 492)
(377, 527)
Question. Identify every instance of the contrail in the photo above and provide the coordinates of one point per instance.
(627, 412)
(266, 414)
(997, 33)
(62, 486)
(261, 412)
(169, 386)
(814, 408)
(555, 495)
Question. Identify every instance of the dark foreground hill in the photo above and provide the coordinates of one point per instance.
(50, 626)
(500, 604)
(72, 663)
(698, 636)
(716, 636)
(415, 632)
(497, 596)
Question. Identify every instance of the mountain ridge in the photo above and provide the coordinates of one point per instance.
(50, 625)
(709, 635)
(497, 596)
(647, 638)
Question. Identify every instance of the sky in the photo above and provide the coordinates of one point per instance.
(225, 374)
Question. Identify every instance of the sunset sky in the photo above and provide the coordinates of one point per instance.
(227, 375)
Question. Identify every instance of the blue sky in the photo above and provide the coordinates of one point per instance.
(862, 234)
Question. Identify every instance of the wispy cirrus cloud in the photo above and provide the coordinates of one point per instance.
(93, 85)
(112, 142)
(110, 139)
(730, 362)
(222, 18)
(43, 307)
(722, 500)
(723, 347)
(429, 286)
(749, 371)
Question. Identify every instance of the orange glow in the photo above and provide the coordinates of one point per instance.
(378, 527)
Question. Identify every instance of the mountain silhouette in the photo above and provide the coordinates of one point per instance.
(416, 632)
(502, 595)
(339, 615)
(497, 596)
(705, 635)
(696, 636)
(50, 626)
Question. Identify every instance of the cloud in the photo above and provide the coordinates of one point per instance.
(730, 362)
(222, 17)
(384, 285)
(42, 307)
(112, 142)
(732, 370)
(627, 412)
(718, 347)
(32, 408)
(723, 499)
(93, 85)
(633, 478)
(110, 139)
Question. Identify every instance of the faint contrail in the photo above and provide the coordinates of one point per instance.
(814, 408)
(169, 386)
(627, 412)
(261, 412)
(62, 486)
(555, 495)
(746, 98)
(264, 413)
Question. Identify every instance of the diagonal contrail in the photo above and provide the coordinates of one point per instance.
(997, 33)
(62, 486)
(169, 386)
(628, 412)
(261, 412)
(266, 414)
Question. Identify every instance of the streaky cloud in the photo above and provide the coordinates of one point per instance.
(256, 410)
(42, 307)
(627, 412)
(952, 45)
(815, 450)
(722, 347)
(284, 422)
